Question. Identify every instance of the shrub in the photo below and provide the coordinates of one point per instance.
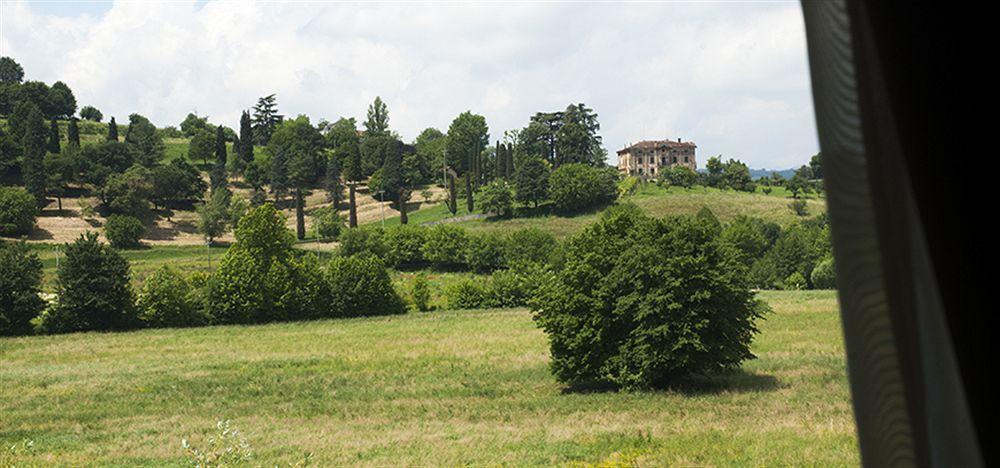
(747, 235)
(20, 286)
(167, 299)
(18, 210)
(420, 293)
(516, 286)
(123, 231)
(364, 240)
(824, 276)
(497, 197)
(360, 286)
(94, 290)
(798, 249)
(327, 223)
(576, 186)
(642, 302)
(795, 282)
(445, 245)
(681, 176)
(485, 252)
(404, 244)
(129, 192)
(467, 294)
(799, 207)
(530, 245)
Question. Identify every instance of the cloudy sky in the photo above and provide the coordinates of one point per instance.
(730, 76)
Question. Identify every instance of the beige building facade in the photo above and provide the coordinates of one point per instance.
(647, 158)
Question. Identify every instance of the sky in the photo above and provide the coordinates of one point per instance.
(730, 76)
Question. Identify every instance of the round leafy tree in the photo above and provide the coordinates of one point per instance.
(123, 231)
(18, 210)
(577, 186)
(166, 300)
(640, 302)
(360, 286)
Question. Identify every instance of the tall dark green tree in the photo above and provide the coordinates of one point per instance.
(279, 175)
(61, 100)
(343, 138)
(10, 71)
(467, 135)
(73, 133)
(53, 146)
(112, 130)
(265, 119)
(377, 123)
(246, 138)
(531, 180)
(144, 141)
(218, 174)
(393, 178)
(33, 161)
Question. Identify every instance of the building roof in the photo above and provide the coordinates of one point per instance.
(654, 144)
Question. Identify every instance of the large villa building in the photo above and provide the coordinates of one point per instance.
(647, 158)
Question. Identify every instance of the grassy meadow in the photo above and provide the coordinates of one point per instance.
(439, 388)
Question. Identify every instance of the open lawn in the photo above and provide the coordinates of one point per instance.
(657, 201)
(440, 388)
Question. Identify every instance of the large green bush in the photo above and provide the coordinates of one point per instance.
(94, 290)
(530, 245)
(420, 293)
(485, 252)
(360, 286)
(576, 186)
(445, 245)
(327, 223)
(404, 245)
(497, 198)
(123, 231)
(641, 302)
(468, 294)
(18, 210)
(363, 240)
(797, 250)
(824, 276)
(167, 299)
(256, 276)
(20, 286)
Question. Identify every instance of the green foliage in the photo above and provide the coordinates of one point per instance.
(797, 250)
(20, 286)
(485, 252)
(129, 193)
(33, 144)
(404, 244)
(467, 136)
(576, 186)
(265, 119)
(327, 223)
(91, 113)
(496, 197)
(144, 141)
(445, 245)
(824, 275)
(98, 162)
(530, 245)
(642, 302)
(531, 180)
(257, 280)
(226, 447)
(94, 290)
(680, 176)
(176, 182)
(363, 240)
(799, 207)
(420, 293)
(377, 123)
(18, 210)
(213, 216)
(750, 237)
(360, 286)
(795, 282)
(123, 231)
(468, 294)
(800, 184)
(167, 299)
(10, 71)
(202, 146)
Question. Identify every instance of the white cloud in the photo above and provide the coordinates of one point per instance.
(732, 77)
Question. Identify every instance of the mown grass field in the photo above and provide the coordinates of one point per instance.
(657, 201)
(440, 388)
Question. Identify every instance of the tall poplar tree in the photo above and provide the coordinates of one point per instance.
(73, 133)
(218, 174)
(246, 138)
(33, 144)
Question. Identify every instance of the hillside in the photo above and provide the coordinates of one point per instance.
(443, 388)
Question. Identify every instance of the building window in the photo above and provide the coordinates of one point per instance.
(685, 159)
(675, 160)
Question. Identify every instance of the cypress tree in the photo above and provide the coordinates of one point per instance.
(279, 175)
(510, 160)
(500, 161)
(469, 200)
(33, 142)
(73, 133)
(112, 130)
(246, 138)
(333, 187)
(54, 137)
(218, 174)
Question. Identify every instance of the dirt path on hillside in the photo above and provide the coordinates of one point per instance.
(181, 228)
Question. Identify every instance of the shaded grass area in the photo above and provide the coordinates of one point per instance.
(655, 200)
(439, 388)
